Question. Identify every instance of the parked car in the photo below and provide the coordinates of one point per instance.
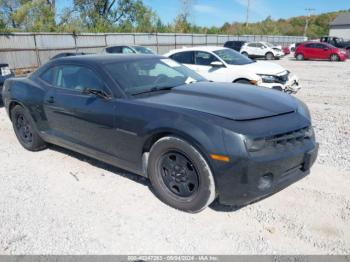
(195, 140)
(336, 41)
(261, 50)
(319, 51)
(65, 54)
(122, 49)
(286, 50)
(235, 45)
(222, 64)
(5, 73)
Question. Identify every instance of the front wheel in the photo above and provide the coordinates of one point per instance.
(334, 58)
(24, 130)
(300, 57)
(180, 175)
(269, 56)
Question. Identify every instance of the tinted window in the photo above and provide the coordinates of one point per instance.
(78, 78)
(48, 75)
(114, 49)
(184, 57)
(252, 45)
(259, 45)
(320, 46)
(143, 75)
(204, 58)
(310, 45)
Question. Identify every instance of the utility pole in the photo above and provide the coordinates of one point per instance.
(308, 10)
(247, 15)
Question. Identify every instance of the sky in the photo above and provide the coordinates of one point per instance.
(217, 12)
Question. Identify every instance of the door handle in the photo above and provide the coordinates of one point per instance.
(50, 100)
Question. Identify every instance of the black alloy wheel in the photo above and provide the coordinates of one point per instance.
(24, 129)
(179, 174)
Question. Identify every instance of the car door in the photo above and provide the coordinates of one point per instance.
(250, 48)
(260, 49)
(186, 58)
(309, 51)
(79, 118)
(203, 66)
(322, 51)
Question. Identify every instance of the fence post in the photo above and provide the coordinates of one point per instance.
(175, 41)
(105, 35)
(157, 42)
(37, 51)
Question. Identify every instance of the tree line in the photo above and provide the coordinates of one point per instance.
(134, 16)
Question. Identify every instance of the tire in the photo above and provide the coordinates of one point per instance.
(180, 175)
(269, 56)
(245, 54)
(300, 57)
(23, 126)
(334, 58)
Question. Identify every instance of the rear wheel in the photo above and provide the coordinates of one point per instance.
(300, 57)
(24, 130)
(180, 175)
(269, 56)
(334, 58)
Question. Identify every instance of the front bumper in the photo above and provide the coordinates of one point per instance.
(292, 86)
(255, 178)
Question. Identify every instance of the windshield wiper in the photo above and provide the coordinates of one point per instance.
(154, 89)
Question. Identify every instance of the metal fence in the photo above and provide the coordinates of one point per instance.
(27, 50)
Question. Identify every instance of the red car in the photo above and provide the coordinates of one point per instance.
(321, 51)
(286, 50)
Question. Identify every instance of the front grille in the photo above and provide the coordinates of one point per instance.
(290, 138)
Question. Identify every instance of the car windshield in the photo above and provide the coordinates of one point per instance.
(232, 57)
(148, 75)
(143, 50)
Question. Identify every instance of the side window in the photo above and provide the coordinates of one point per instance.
(204, 58)
(310, 45)
(251, 45)
(184, 57)
(113, 50)
(78, 78)
(49, 76)
(259, 45)
(320, 46)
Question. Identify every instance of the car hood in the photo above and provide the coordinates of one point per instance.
(264, 68)
(232, 101)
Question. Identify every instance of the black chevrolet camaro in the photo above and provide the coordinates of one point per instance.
(195, 140)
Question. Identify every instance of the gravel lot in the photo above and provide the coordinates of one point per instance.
(59, 202)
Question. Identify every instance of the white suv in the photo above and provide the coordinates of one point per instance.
(261, 50)
(222, 64)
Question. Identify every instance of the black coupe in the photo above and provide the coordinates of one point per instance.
(195, 140)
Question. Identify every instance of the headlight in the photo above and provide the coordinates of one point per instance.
(268, 79)
(254, 145)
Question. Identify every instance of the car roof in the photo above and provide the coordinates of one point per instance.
(106, 59)
(198, 48)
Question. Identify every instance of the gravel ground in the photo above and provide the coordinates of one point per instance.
(59, 202)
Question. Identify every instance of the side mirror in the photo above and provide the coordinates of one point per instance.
(217, 64)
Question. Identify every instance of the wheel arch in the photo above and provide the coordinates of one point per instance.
(159, 134)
